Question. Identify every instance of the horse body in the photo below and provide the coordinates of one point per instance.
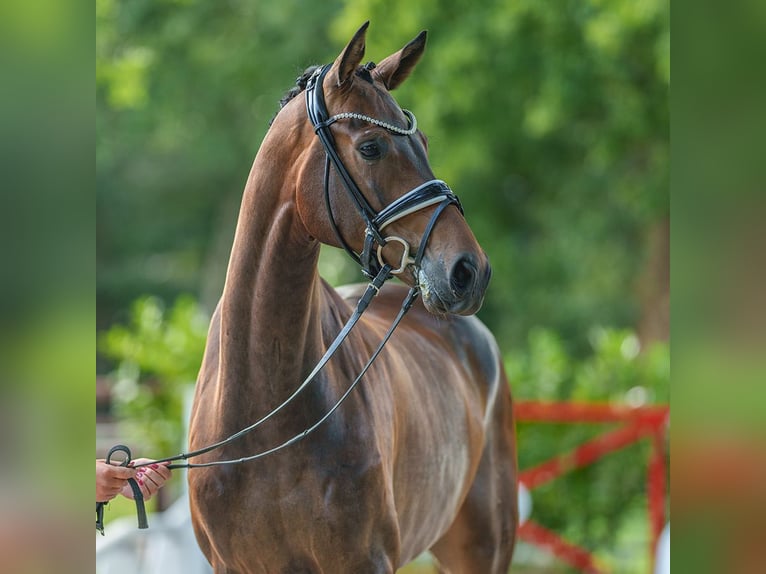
(421, 455)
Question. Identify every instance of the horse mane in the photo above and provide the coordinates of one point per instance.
(300, 86)
(302, 80)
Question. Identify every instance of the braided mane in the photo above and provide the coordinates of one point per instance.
(300, 86)
(302, 80)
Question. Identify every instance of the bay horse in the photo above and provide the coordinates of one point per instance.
(422, 455)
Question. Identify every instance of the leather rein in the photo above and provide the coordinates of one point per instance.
(433, 192)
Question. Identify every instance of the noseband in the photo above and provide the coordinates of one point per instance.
(433, 192)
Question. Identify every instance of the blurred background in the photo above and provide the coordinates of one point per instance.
(550, 121)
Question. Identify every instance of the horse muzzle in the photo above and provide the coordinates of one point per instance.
(456, 287)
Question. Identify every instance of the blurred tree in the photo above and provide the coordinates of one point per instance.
(184, 92)
(550, 121)
(158, 353)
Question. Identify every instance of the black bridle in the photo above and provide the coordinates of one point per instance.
(429, 193)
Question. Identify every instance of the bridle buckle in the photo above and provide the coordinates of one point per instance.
(405, 260)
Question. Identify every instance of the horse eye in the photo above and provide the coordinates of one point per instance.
(370, 150)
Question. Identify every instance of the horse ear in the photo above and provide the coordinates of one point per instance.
(394, 70)
(349, 60)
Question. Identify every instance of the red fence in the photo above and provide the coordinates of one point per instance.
(648, 422)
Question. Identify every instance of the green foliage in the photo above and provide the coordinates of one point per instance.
(549, 119)
(184, 94)
(158, 354)
(614, 370)
(598, 506)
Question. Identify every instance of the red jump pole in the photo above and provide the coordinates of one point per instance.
(637, 423)
(583, 455)
(567, 552)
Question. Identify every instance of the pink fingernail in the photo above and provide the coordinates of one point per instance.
(155, 466)
(141, 482)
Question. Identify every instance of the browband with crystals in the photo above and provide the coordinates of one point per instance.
(392, 128)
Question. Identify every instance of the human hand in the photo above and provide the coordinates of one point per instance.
(150, 478)
(111, 479)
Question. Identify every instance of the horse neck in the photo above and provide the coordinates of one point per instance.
(272, 299)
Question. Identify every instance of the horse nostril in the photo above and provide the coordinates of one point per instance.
(463, 276)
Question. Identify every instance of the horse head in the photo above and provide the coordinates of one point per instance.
(387, 208)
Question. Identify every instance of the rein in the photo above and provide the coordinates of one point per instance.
(433, 192)
(372, 290)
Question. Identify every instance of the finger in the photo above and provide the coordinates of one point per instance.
(118, 461)
(153, 479)
(123, 472)
(161, 469)
(146, 489)
(127, 492)
(117, 482)
(144, 483)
